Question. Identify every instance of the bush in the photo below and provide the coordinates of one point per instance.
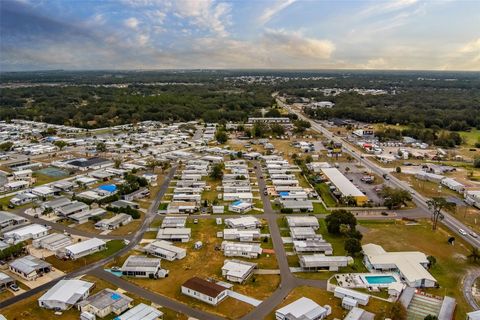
(339, 217)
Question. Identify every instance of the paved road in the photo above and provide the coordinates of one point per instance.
(453, 224)
(151, 213)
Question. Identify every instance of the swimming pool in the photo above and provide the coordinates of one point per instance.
(380, 279)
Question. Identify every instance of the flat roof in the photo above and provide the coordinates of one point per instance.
(344, 185)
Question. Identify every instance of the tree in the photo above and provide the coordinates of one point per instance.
(431, 261)
(60, 144)
(259, 130)
(431, 317)
(395, 197)
(277, 129)
(301, 125)
(273, 113)
(474, 254)
(308, 159)
(6, 146)
(436, 205)
(101, 147)
(476, 162)
(339, 217)
(397, 311)
(217, 172)
(221, 136)
(117, 163)
(344, 229)
(398, 170)
(353, 246)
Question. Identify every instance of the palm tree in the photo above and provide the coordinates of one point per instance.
(474, 255)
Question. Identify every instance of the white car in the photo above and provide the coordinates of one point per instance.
(473, 234)
(462, 232)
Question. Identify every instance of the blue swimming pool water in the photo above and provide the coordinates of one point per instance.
(380, 279)
(284, 193)
(108, 187)
(236, 203)
(115, 273)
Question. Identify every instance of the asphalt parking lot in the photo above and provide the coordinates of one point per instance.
(355, 175)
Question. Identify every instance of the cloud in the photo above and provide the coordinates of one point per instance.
(272, 11)
(472, 46)
(131, 23)
(380, 8)
(297, 45)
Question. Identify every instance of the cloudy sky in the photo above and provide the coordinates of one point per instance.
(314, 34)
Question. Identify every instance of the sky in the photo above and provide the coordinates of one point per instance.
(274, 34)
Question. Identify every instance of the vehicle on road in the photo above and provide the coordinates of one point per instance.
(462, 232)
(195, 221)
(473, 234)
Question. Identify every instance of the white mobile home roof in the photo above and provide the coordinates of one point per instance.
(85, 245)
(341, 182)
(31, 229)
(141, 312)
(67, 291)
(302, 308)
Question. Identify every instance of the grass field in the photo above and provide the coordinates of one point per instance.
(451, 260)
(70, 265)
(426, 188)
(471, 137)
(326, 195)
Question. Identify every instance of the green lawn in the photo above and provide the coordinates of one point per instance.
(319, 208)
(70, 265)
(326, 194)
(471, 137)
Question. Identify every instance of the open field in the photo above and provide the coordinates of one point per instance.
(70, 265)
(471, 137)
(451, 260)
(426, 188)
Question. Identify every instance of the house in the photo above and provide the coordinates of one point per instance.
(65, 294)
(313, 246)
(141, 312)
(16, 185)
(359, 314)
(204, 290)
(472, 197)
(240, 206)
(85, 216)
(304, 233)
(176, 207)
(5, 281)
(29, 267)
(237, 270)
(124, 204)
(82, 249)
(9, 221)
(302, 309)
(247, 222)
(411, 265)
(242, 235)
(304, 221)
(23, 198)
(360, 298)
(174, 222)
(143, 267)
(429, 177)
(115, 222)
(63, 185)
(52, 242)
(474, 315)
(453, 184)
(165, 250)
(72, 208)
(44, 191)
(32, 231)
(242, 196)
(175, 234)
(56, 203)
(344, 186)
(245, 250)
(105, 302)
(318, 261)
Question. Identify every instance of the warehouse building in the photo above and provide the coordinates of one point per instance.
(344, 186)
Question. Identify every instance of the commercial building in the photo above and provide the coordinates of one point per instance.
(411, 265)
(65, 294)
(344, 186)
(204, 290)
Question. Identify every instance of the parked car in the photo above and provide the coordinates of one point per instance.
(195, 221)
(14, 287)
